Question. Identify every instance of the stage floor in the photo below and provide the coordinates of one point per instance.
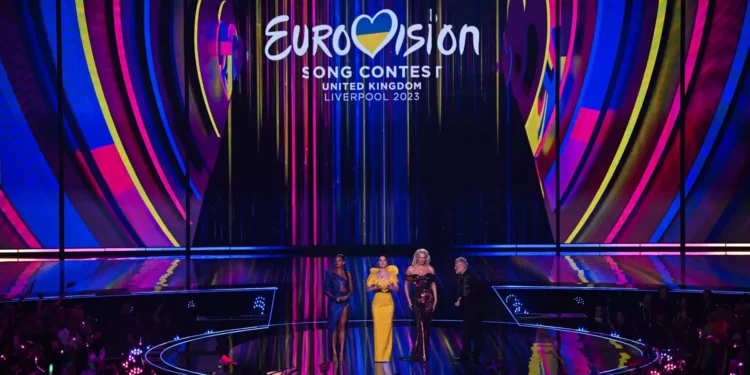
(508, 349)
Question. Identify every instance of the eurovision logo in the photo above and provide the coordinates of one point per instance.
(370, 34)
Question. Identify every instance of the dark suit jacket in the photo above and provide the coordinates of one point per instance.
(470, 290)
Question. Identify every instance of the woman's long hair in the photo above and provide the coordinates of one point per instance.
(416, 255)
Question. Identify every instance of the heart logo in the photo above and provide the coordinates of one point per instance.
(373, 33)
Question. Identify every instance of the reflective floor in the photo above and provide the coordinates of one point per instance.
(508, 349)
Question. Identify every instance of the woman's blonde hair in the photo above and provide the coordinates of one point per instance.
(416, 255)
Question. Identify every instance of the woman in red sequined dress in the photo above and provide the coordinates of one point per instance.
(422, 291)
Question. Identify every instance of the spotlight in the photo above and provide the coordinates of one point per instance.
(177, 337)
(191, 304)
(579, 300)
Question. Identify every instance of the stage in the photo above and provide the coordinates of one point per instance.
(301, 348)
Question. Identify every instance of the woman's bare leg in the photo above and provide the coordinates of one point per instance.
(334, 339)
(341, 330)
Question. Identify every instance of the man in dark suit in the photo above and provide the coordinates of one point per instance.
(470, 302)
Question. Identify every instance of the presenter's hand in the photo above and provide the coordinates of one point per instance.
(409, 304)
(458, 302)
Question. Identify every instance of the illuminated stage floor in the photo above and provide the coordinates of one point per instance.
(508, 349)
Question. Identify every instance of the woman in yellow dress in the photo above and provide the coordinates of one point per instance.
(383, 281)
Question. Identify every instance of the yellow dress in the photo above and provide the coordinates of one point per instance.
(382, 314)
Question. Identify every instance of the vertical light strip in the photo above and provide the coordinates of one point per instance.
(497, 73)
(408, 126)
(229, 156)
(278, 117)
(198, 68)
(653, 54)
(439, 87)
(127, 81)
(408, 141)
(315, 143)
(259, 77)
(293, 126)
(94, 73)
(384, 229)
(364, 158)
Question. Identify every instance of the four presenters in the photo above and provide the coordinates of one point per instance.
(421, 290)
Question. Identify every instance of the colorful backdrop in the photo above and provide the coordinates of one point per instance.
(164, 123)
(302, 278)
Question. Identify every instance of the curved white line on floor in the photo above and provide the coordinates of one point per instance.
(174, 343)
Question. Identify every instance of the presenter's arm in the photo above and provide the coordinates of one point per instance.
(372, 284)
(406, 285)
(434, 289)
(393, 286)
(328, 292)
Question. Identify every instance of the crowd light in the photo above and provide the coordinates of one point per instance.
(513, 301)
(134, 363)
(259, 305)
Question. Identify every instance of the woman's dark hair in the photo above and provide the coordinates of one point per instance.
(341, 256)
